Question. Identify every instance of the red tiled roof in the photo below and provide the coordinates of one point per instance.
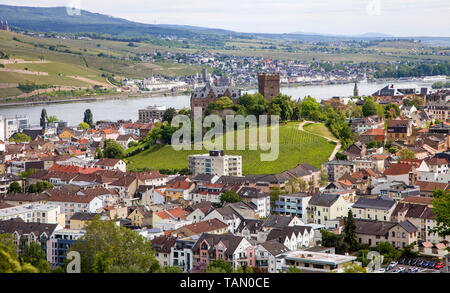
(107, 162)
(375, 131)
(418, 199)
(431, 186)
(398, 169)
(73, 169)
(179, 185)
(172, 213)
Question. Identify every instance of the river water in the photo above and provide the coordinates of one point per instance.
(128, 108)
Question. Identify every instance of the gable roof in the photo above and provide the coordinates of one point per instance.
(274, 247)
(374, 203)
(324, 200)
(398, 169)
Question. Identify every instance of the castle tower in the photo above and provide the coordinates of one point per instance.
(269, 85)
(355, 90)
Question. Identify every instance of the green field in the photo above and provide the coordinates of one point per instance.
(319, 129)
(296, 147)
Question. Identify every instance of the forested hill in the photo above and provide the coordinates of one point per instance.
(56, 19)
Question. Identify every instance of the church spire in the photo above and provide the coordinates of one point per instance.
(355, 90)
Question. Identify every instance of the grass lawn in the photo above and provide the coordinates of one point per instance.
(320, 129)
(296, 147)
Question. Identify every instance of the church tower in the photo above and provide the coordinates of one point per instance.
(355, 90)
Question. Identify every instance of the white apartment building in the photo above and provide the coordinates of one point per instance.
(9, 126)
(216, 163)
(60, 243)
(35, 213)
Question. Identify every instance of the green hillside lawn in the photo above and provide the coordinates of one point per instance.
(296, 147)
(319, 129)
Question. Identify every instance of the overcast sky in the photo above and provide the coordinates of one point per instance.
(394, 17)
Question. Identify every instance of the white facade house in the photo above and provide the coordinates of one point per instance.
(215, 163)
(38, 213)
(434, 170)
(76, 204)
(9, 126)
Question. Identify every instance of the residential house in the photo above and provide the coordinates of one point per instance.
(26, 233)
(234, 249)
(293, 204)
(213, 226)
(80, 220)
(401, 173)
(373, 209)
(111, 164)
(141, 216)
(399, 129)
(336, 169)
(162, 246)
(372, 232)
(266, 254)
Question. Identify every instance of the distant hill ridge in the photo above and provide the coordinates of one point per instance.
(56, 19)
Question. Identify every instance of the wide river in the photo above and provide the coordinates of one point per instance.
(128, 108)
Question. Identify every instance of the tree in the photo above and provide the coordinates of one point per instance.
(99, 153)
(224, 103)
(88, 117)
(170, 270)
(369, 108)
(15, 188)
(8, 257)
(113, 150)
(323, 179)
(43, 120)
(254, 104)
(40, 186)
(350, 231)
(35, 255)
(441, 209)
(285, 105)
(106, 247)
(83, 125)
(389, 252)
(274, 195)
(7, 244)
(407, 154)
(20, 138)
(391, 107)
(219, 266)
(293, 270)
(230, 196)
(353, 269)
(330, 239)
(52, 119)
(169, 114)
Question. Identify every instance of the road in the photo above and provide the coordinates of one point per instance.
(338, 143)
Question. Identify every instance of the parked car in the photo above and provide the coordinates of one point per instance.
(402, 261)
(408, 262)
(381, 270)
(439, 266)
(419, 263)
(426, 264)
(393, 263)
(413, 262)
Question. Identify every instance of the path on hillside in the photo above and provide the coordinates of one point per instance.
(91, 81)
(338, 143)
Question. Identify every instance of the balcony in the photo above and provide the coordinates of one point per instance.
(279, 210)
(280, 203)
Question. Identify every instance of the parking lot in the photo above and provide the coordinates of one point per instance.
(402, 266)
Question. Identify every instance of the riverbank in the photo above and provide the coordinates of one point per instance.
(90, 98)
